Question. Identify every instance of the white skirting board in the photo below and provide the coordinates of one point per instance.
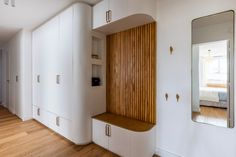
(165, 153)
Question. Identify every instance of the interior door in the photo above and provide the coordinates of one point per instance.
(36, 65)
(17, 81)
(7, 79)
(12, 60)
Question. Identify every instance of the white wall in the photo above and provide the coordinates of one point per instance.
(18, 53)
(176, 132)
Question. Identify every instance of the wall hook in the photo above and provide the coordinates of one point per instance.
(171, 50)
(177, 97)
(166, 96)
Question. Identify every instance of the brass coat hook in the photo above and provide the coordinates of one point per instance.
(177, 97)
(171, 50)
(166, 96)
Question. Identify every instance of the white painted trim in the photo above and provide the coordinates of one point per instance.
(26, 118)
(165, 153)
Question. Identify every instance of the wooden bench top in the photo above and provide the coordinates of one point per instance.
(124, 122)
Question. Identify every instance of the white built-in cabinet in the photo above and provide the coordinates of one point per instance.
(100, 14)
(110, 137)
(124, 142)
(108, 11)
(18, 83)
(63, 98)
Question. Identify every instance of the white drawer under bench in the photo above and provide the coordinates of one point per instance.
(124, 136)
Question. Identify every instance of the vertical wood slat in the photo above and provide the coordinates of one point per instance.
(131, 72)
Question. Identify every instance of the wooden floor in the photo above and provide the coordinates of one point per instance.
(31, 139)
(211, 115)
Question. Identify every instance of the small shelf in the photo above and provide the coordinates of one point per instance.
(97, 48)
(96, 61)
(96, 75)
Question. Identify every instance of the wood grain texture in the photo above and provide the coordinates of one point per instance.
(131, 73)
(31, 139)
(123, 122)
(211, 115)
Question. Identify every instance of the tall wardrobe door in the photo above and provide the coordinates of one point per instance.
(17, 76)
(36, 49)
(48, 62)
(63, 76)
(12, 67)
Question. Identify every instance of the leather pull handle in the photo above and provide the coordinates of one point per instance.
(58, 121)
(58, 79)
(38, 111)
(38, 78)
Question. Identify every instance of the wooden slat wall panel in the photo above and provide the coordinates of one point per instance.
(131, 62)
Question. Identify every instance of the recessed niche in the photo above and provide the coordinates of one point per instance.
(96, 75)
(96, 48)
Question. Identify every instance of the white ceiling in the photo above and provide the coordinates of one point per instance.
(218, 48)
(29, 14)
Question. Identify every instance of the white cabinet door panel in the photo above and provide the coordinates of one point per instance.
(119, 141)
(99, 135)
(143, 143)
(35, 60)
(59, 125)
(99, 14)
(116, 11)
(64, 68)
(41, 115)
(48, 62)
(37, 67)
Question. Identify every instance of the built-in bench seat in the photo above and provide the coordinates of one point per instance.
(124, 136)
(124, 122)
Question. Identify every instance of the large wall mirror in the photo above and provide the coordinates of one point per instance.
(213, 69)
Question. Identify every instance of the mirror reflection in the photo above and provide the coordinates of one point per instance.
(212, 69)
